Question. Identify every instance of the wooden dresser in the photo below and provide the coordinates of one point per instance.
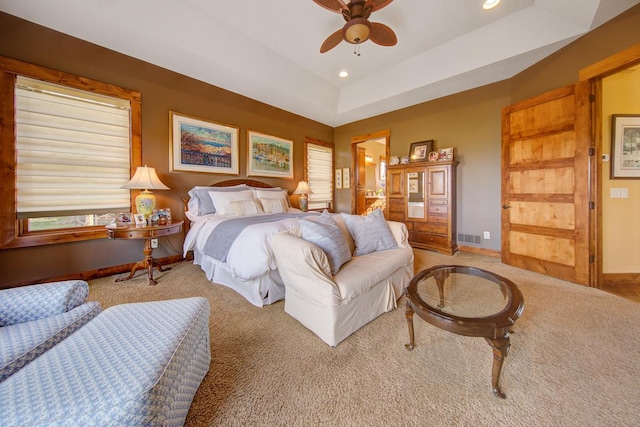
(423, 196)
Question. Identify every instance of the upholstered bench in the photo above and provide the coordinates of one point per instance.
(133, 364)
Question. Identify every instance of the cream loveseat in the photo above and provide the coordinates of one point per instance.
(334, 306)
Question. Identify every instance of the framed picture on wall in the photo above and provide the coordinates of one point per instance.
(338, 179)
(199, 145)
(269, 156)
(419, 151)
(346, 178)
(625, 146)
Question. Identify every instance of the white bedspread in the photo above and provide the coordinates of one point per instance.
(250, 256)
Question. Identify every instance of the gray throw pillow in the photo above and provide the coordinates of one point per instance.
(371, 233)
(330, 239)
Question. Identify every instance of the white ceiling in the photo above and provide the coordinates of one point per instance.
(269, 50)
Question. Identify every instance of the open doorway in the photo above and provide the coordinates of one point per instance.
(369, 158)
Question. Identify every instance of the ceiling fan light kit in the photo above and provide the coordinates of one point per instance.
(358, 28)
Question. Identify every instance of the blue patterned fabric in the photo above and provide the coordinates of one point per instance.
(134, 364)
(23, 342)
(34, 302)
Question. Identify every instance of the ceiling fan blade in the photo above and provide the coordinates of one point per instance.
(377, 4)
(382, 35)
(332, 41)
(332, 5)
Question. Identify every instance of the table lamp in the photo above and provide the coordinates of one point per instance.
(145, 179)
(303, 189)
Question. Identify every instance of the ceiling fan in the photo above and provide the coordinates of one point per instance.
(358, 28)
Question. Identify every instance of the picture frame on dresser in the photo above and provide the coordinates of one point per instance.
(419, 151)
(201, 145)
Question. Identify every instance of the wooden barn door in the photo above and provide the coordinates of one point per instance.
(546, 184)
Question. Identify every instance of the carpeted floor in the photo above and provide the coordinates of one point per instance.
(574, 360)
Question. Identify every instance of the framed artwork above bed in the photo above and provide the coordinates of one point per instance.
(199, 145)
(269, 156)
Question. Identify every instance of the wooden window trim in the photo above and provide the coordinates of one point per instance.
(9, 224)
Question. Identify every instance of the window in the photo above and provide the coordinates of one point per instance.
(319, 173)
(68, 151)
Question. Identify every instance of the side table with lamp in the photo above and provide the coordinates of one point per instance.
(144, 179)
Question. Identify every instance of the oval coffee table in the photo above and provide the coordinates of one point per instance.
(467, 301)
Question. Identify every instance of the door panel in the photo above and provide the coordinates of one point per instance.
(545, 184)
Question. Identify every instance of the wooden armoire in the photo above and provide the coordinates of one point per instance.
(423, 196)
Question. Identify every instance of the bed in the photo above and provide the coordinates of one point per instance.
(229, 225)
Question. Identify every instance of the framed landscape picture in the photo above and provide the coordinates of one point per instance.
(199, 145)
(269, 156)
(625, 146)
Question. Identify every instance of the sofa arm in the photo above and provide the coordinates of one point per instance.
(400, 233)
(304, 269)
(26, 303)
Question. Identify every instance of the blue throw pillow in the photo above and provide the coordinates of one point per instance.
(329, 238)
(371, 233)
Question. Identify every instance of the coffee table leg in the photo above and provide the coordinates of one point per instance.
(500, 350)
(409, 314)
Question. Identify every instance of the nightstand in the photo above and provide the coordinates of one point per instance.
(132, 232)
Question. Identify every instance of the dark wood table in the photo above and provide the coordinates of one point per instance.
(467, 301)
(147, 233)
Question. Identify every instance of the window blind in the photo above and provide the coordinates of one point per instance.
(320, 175)
(73, 150)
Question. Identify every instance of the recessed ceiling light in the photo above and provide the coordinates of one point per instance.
(343, 74)
(490, 4)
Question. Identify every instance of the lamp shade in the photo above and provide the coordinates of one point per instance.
(302, 188)
(145, 178)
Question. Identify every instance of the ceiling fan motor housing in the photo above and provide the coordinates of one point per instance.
(357, 30)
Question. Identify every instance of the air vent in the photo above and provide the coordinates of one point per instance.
(472, 239)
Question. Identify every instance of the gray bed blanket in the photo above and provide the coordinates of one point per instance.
(223, 236)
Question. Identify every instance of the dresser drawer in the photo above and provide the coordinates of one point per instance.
(438, 202)
(438, 209)
(430, 239)
(438, 219)
(431, 228)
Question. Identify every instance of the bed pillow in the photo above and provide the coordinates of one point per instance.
(246, 207)
(273, 193)
(329, 238)
(371, 233)
(273, 205)
(222, 200)
(200, 202)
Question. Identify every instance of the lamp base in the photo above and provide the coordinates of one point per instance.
(145, 203)
(303, 201)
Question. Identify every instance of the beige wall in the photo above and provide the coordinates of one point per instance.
(620, 217)
(469, 122)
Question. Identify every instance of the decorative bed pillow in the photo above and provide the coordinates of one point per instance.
(222, 200)
(329, 238)
(273, 205)
(246, 207)
(371, 233)
(200, 202)
(273, 193)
